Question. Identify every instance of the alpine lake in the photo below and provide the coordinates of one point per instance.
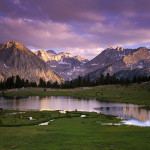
(129, 113)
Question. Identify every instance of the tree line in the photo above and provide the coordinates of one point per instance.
(103, 80)
(17, 82)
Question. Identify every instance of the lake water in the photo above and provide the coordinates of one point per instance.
(130, 112)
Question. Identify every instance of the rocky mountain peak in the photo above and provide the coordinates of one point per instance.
(68, 55)
(43, 55)
(15, 44)
(80, 58)
(139, 59)
(142, 49)
(109, 47)
(118, 48)
(51, 52)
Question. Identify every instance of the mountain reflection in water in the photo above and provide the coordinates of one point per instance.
(131, 112)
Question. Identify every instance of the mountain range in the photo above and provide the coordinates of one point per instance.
(122, 62)
(16, 59)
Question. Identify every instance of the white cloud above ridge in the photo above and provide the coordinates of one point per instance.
(63, 36)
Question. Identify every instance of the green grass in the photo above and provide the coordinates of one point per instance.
(76, 133)
(7, 118)
(19, 118)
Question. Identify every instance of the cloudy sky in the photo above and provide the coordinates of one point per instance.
(83, 27)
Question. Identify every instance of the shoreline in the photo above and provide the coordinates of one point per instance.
(134, 94)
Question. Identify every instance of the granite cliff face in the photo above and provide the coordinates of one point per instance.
(139, 59)
(64, 64)
(107, 58)
(43, 55)
(16, 59)
(121, 62)
(50, 55)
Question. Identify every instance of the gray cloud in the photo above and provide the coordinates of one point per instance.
(73, 10)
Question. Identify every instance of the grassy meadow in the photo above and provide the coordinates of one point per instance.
(69, 131)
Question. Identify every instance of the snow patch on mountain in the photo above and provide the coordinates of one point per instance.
(140, 66)
(6, 66)
(94, 64)
(53, 66)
